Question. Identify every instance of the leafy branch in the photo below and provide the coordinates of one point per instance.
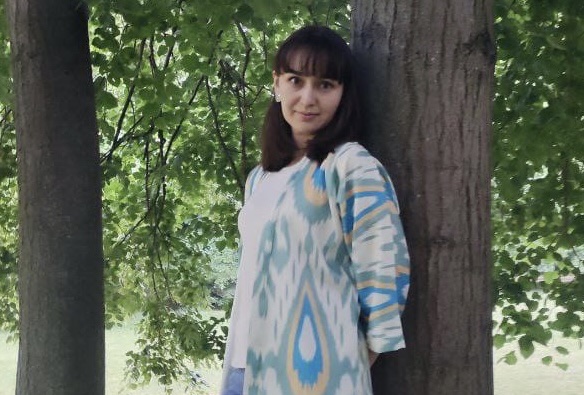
(221, 139)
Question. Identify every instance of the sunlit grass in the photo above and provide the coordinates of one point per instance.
(526, 377)
(531, 376)
(119, 340)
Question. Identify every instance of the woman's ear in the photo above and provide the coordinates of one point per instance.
(275, 78)
(276, 86)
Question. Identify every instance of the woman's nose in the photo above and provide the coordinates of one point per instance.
(308, 94)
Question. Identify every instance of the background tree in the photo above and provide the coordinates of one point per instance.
(8, 190)
(181, 89)
(61, 263)
(538, 183)
(430, 73)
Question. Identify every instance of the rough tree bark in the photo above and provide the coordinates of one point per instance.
(429, 67)
(61, 259)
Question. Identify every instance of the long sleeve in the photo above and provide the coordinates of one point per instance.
(376, 244)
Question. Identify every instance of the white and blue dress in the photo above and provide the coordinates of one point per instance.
(325, 278)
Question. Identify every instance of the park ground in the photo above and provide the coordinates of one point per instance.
(525, 377)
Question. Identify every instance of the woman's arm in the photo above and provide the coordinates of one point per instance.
(376, 244)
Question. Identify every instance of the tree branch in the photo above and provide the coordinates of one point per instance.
(170, 51)
(179, 126)
(217, 129)
(242, 104)
(151, 57)
(122, 117)
(4, 122)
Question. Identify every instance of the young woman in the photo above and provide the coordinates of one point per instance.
(324, 267)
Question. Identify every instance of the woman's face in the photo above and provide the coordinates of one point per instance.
(309, 103)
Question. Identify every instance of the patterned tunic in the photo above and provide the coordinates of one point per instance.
(332, 280)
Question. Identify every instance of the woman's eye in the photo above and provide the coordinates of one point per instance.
(326, 84)
(294, 80)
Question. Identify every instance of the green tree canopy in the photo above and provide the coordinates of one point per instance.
(538, 178)
(181, 89)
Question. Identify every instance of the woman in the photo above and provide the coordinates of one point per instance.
(324, 266)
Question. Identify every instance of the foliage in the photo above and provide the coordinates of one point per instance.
(538, 179)
(181, 88)
(8, 200)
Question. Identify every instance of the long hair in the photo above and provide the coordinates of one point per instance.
(323, 53)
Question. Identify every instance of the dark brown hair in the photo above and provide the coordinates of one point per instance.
(325, 55)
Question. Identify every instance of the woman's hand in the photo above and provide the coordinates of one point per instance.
(372, 357)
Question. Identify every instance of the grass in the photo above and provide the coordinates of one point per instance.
(526, 377)
(119, 340)
(531, 376)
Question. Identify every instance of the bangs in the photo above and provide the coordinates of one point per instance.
(315, 61)
(316, 51)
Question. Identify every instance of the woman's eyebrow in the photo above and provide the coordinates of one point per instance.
(292, 71)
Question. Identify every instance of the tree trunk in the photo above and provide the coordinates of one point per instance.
(430, 67)
(61, 259)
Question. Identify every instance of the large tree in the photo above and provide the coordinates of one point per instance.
(181, 88)
(538, 179)
(61, 262)
(429, 68)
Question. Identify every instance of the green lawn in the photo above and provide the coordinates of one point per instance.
(531, 377)
(526, 377)
(119, 340)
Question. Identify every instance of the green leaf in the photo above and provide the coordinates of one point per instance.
(499, 340)
(547, 360)
(550, 277)
(510, 358)
(526, 346)
(244, 13)
(105, 100)
(554, 43)
(562, 350)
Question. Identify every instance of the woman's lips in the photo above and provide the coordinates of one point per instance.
(307, 116)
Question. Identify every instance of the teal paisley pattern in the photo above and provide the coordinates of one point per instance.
(333, 279)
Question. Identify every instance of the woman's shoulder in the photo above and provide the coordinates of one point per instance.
(254, 173)
(351, 155)
(351, 149)
(252, 177)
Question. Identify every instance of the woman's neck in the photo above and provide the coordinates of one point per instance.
(298, 155)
